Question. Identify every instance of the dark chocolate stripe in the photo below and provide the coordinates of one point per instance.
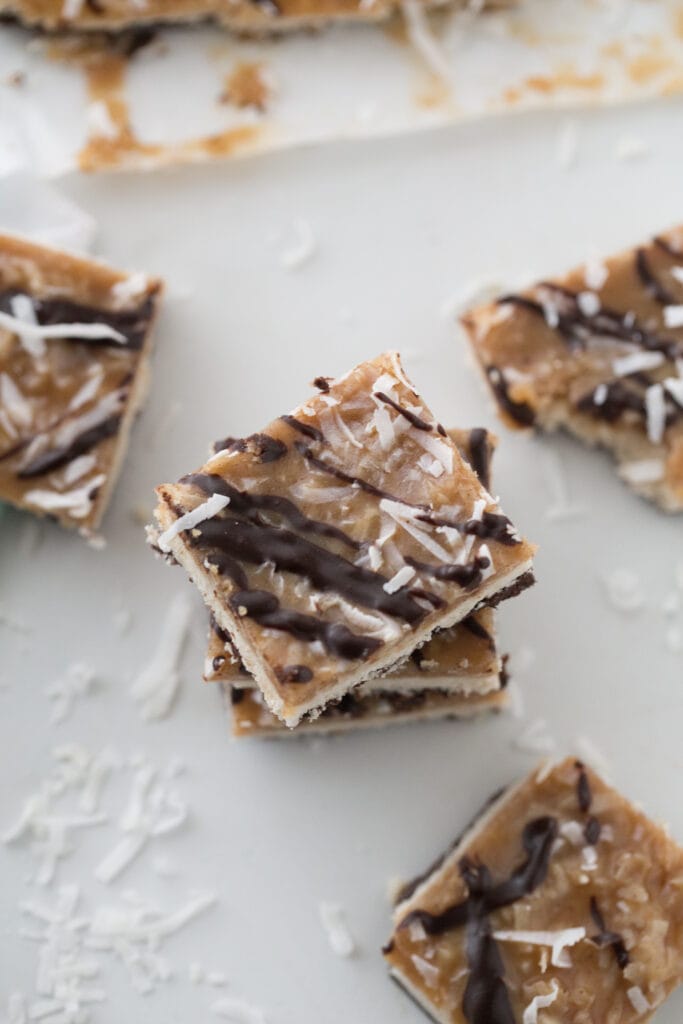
(264, 608)
(264, 447)
(491, 526)
(577, 328)
(486, 999)
(55, 458)
(472, 624)
(414, 420)
(251, 505)
(520, 412)
(133, 324)
(303, 428)
(294, 674)
(322, 384)
(627, 395)
(592, 830)
(538, 838)
(608, 938)
(479, 455)
(583, 788)
(255, 543)
(652, 285)
(466, 575)
(354, 481)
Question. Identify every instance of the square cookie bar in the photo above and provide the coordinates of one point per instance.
(598, 352)
(360, 709)
(74, 354)
(562, 902)
(334, 543)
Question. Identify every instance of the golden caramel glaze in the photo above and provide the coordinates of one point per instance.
(69, 404)
(555, 356)
(247, 16)
(610, 871)
(383, 534)
(358, 710)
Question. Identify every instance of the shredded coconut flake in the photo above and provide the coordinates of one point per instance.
(421, 37)
(76, 682)
(156, 686)
(303, 249)
(131, 287)
(624, 590)
(30, 331)
(406, 518)
(237, 1011)
(588, 303)
(637, 361)
(674, 385)
(77, 503)
(207, 510)
(644, 471)
(655, 407)
(673, 316)
(333, 920)
(428, 972)
(403, 576)
(557, 940)
(637, 999)
(536, 739)
(595, 273)
(540, 1002)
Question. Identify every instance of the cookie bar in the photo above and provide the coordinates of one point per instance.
(463, 659)
(358, 710)
(74, 354)
(598, 352)
(250, 16)
(561, 897)
(334, 543)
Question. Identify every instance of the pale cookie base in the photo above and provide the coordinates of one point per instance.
(250, 717)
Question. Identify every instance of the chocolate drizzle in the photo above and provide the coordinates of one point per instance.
(322, 384)
(303, 428)
(466, 575)
(294, 674)
(264, 447)
(133, 324)
(479, 455)
(520, 412)
(474, 626)
(583, 788)
(577, 328)
(55, 458)
(608, 938)
(414, 420)
(652, 285)
(486, 1000)
(592, 830)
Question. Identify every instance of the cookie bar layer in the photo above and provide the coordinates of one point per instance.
(358, 710)
(462, 659)
(74, 354)
(561, 896)
(257, 16)
(339, 539)
(598, 352)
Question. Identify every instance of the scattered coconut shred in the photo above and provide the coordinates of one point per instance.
(333, 920)
(77, 939)
(156, 687)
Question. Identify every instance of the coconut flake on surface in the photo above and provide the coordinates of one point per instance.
(154, 809)
(437, 448)
(74, 331)
(674, 385)
(643, 471)
(333, 920)
(156, 687)
(567, 146)
(77, 681)
(399, 579)
(636, 998)
(237, 1011)
(405, 517)
(624, 590)
(635, 362)
(630, 147)
(535, 738)
(207, 510)
(302, 249)
(71, 9)
(595, 273)
(558, 941)
(78, 468)
(573, 832)
(540, 1002)
(13, 403)
(673, 316)
(562, 507)
(600, 394)
(26, 321)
